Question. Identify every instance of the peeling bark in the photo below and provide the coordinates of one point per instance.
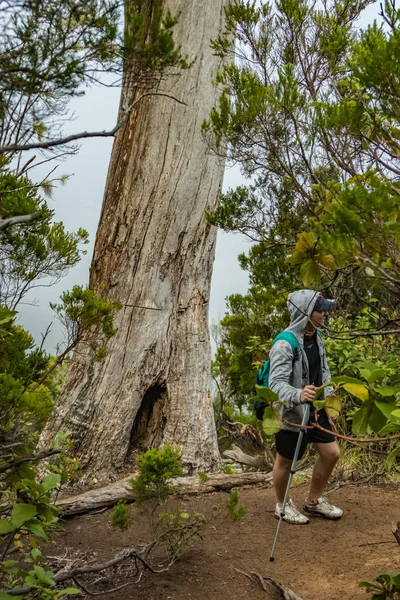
(154, 254)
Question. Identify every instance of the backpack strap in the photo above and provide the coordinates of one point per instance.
(263, 373)
(291, 339)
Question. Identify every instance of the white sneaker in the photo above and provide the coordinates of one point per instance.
(323, 509)
(292, 514)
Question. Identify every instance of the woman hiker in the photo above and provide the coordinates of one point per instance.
(296, 378)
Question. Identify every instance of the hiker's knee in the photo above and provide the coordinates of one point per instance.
(282, 463)
(329, 452)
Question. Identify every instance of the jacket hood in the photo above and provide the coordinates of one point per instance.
(300, 305)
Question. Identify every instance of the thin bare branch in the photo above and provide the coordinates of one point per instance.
(85, 134)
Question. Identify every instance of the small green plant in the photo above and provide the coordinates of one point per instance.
(156, 470)
(387, 586)
(229, 469)
(173, 531)
(235, 510)
(202, 476)
(180, 530)
(121, 517)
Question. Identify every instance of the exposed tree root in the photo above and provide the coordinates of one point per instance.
(248, 436)
(71, 572)
(121, 490)
(273, 589)
(396, 531)
(257, 462)
(138, 560)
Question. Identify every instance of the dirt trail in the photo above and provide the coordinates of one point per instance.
(324, 560)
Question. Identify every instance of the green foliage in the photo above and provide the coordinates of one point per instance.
(121, 517)
(23, 414)
(18, 356)
(323, 142)
(229, 469)
(271, 423)
(176, 530)
(148, 41)
(236, 511)
(6, 316)
(31, 251)
(49, 50)
(156, 469)
(81, 309)
(27, 505)
(386, 586)
(31, 380)
(202, 476)
(379, 393)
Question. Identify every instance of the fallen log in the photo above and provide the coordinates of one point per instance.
(258, 462)
(121, 490)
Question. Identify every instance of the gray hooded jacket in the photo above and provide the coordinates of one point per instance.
(287, 376)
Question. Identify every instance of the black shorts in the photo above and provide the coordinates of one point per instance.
(286, 440)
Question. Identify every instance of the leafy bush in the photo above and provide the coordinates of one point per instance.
(28, 518)
(156, 469)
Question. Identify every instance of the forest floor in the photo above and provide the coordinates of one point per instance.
(323, 560)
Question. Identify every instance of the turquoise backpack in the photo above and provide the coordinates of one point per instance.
(263, 372)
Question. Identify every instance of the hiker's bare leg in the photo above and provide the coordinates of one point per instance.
(328, 457)
(280, 474)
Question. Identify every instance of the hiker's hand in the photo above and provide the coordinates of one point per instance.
(308, 393)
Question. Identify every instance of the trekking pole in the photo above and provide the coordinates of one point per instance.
(304, 422)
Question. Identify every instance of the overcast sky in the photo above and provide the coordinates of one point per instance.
(78, 204)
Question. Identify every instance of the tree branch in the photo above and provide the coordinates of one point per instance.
(351, 336)
(4, 223)
(59, 360)
(30, 458)
(85, 134)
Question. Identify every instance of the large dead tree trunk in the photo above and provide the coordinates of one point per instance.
(154, 254)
